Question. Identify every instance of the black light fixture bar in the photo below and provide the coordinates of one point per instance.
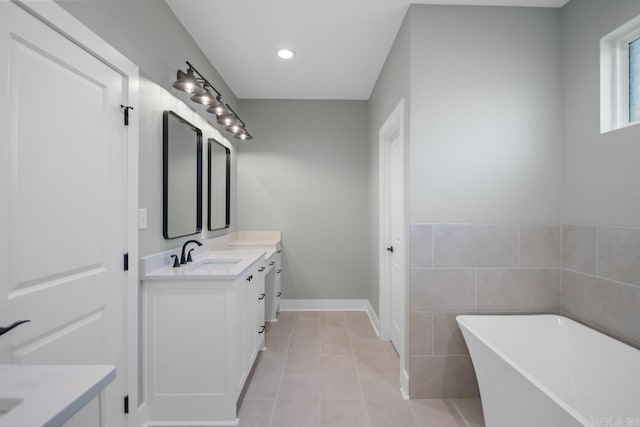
(202, 80)
(235, 114)
(193, 82)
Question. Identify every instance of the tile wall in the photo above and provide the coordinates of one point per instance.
(591, 274)
(601, 279)
(461, 269)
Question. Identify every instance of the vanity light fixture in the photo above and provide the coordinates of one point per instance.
(235, 125)
(227, 119)
(243, 135)
(192, 82)
(285, 54)
(205, 99)
(187, 83)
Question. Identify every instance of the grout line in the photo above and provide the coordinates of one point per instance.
(606, 279)
(597, 248)
(561, 246)
(459, 412)
(433, 334)
(476, 290)
(355, 364)
(485, 268)
(433, 246)
(286, 356)
(519, 245)
(320, 336)
(415, 417)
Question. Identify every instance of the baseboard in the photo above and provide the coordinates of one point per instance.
(324, 305)
(193, 423)
(404, 384)
(373, 317)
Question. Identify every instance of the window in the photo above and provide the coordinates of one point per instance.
(634, 81)
(620, 77)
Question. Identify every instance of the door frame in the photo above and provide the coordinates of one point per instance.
(393, 126)
(54, 16)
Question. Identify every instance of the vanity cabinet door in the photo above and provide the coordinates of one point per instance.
(248, 312)
(242, 289)
(88, 416)
(277, 285)
(260, 323)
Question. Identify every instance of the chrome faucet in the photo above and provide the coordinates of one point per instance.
(183, 258)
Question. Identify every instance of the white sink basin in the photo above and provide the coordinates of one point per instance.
(210, 265)
(8, 403)
(215, 263)
(214, 266)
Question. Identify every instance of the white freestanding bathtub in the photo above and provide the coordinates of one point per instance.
(549, 371)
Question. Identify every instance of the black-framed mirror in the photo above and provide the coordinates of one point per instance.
(182, 176)
(219, 184)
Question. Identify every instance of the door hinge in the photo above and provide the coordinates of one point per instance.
(126, 404)
(126, 261)
(126, 109)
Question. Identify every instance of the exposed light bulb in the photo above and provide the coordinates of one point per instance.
(188, 88)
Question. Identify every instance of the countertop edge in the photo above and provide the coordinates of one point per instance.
(70, 410)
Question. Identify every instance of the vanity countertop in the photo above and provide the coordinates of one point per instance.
(269, 240)
(210, 265)
(48, 395)
(245, 243)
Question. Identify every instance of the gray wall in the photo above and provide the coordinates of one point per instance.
(306, 175)
(153, 101)
(601, 255)
(486, 115)
(485, 144)
(601, 172)
(392, 86)
(150, 35)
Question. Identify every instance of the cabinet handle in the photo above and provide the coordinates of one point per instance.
(278, 251)
(278, 295)
(262, 296)
(262, 330)
(250, 278)
(279, 271)
(261, 269)
(272, 262)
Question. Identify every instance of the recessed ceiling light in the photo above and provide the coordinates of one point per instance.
(285, 53)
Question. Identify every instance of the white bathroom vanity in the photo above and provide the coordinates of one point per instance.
(204, 324)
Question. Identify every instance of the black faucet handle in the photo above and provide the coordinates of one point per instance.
(176, 263)
(183, 258)
(189, 258)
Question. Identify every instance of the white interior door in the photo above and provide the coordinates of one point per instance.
(395, 239)
(393, 244)
(62, 203)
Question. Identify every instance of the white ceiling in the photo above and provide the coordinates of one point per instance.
(340, 45)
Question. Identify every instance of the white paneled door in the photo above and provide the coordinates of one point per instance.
(395, 172)
(62, 203)
(393, 243)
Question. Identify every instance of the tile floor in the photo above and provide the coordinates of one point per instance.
(330, 369)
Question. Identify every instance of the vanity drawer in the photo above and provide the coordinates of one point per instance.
(273, 261)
